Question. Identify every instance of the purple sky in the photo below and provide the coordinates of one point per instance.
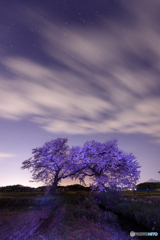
(86, 71)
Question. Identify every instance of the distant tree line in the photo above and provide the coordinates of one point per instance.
(75, 187)
(20, 188)
(149, 185)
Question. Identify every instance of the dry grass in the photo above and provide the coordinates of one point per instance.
(64, 226)
(80, 218)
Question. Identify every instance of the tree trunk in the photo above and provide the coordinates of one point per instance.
(52, 189)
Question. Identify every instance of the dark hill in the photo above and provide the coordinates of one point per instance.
(149, 185)
(21, 188)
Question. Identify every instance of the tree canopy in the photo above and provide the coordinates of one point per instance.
(104, 163)
(50, 163)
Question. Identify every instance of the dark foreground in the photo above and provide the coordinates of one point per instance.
(66, 216)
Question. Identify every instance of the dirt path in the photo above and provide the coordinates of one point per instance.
(62, 226)
(20, 224)
(35, 223)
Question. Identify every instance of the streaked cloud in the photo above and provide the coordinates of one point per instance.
(6, 155)
(107, 82)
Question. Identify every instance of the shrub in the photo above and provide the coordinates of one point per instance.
(108, 217)
(108, 199)
(86, 207)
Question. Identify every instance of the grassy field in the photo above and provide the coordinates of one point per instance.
(21, 194)
(34, 194)
(141, 193)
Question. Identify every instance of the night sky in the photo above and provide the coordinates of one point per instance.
(86, 70)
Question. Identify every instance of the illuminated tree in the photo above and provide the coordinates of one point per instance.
(50, 163)
(105, 164)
